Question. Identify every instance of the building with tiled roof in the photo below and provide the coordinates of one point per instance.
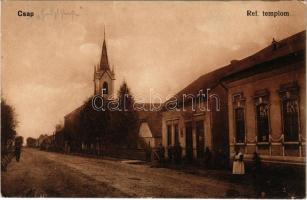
(245, 105)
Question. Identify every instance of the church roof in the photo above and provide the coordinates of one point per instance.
(154, 121)
(152, 117)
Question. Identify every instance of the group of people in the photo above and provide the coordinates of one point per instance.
(174, 153)
(238, 170)
(238, 167)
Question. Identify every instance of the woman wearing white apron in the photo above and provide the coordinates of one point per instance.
(238, 164)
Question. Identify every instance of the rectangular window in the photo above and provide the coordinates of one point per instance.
(176, 134)
(200, 139)
(290, 119)
(262, 122)
(240, 125)
(169, 135)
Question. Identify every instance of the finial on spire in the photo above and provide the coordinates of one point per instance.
(104, 63)
(104, 31)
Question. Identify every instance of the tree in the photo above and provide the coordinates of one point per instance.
(8, 125)
(94, 124)
(125, 98)
(18, 140)
(125, 121)
(58, 127)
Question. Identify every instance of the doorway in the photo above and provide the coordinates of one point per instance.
(200, 146)
(189, 141)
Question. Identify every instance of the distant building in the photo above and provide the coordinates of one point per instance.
(31, 142)
(48, 143)
(40, 139)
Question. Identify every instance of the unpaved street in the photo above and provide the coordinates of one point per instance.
(43, 173)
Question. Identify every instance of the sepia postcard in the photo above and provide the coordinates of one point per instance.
(153, 99)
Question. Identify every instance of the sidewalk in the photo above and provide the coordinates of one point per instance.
(274, 184)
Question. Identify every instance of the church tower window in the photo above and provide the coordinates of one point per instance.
(105, 87)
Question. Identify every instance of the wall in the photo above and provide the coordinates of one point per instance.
(146, 135)
(210, 118)
(270, 81)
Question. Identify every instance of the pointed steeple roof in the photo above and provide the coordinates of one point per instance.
(104, 62)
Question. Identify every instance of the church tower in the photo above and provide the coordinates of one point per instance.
(103, 76)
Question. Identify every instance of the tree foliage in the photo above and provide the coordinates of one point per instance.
(125, 98)
(115, 128)
(31, 142)
(8, 125)
(93, 124)
(125, 122)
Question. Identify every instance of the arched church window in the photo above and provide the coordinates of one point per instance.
(105, 88)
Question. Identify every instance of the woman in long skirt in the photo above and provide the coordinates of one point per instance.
(238, 164)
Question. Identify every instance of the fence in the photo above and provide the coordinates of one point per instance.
(124, 153)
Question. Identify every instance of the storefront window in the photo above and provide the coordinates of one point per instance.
(176, 131)
(169, 135)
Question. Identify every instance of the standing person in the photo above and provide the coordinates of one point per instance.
(177, 151)
(256, 162)
(170, 153)
(238, 168)
(257, 174)
(207, 158)
(18, 144)
(161, 153)
(148, 152)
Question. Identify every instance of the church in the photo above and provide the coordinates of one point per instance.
(149, 124)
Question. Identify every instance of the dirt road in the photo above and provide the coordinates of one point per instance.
(49, 174)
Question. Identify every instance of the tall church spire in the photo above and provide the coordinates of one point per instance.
(103, 76)
(104, 63)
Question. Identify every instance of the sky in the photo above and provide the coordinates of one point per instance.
(48, 59)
